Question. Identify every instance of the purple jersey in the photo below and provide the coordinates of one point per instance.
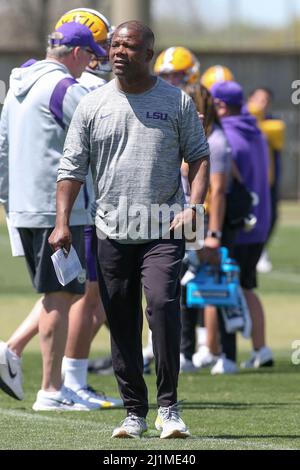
(250, 152)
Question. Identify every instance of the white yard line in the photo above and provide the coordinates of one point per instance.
(56, 419)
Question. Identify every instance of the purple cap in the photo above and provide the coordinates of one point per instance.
(76, 34)
(229, 92)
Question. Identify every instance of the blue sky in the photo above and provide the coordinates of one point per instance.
(272, 13)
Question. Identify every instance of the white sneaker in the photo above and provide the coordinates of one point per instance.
(170, 424)
(147, 366)
(261, 358)
(224, 366)
(132, 426)
(204, 358)
(64, 400)
(264, 264)
(186, 365)
(10, 372)
(89, 394)
(148, 352)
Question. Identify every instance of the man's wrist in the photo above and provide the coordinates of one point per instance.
(214, 234)
(62, 219)
(197, 208)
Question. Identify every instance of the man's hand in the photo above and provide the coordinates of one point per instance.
(185, 217)
(210, 252)
(66, 193)
(61, 237)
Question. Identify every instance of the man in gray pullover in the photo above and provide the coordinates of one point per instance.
(36, 114)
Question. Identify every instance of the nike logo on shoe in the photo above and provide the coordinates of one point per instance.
(103, 116)
(11, 373)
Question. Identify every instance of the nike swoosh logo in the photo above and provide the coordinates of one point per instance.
(66, 402)
(11, 373)
(103, 116)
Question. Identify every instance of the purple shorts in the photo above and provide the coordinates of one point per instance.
(90, 241)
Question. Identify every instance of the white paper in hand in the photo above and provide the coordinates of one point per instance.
(188, 276)
(15, 240)
(68, 267)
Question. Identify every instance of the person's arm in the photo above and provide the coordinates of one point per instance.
(217, 204)
(221, 162)
(66, 193)
(73, 96)
(195, 151)
(199, 179)
(72, 173)
(198, 175)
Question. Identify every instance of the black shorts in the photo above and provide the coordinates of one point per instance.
(247, 257)
(38, 258)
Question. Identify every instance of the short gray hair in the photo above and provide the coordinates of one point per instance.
(55, 49)
(58, 52)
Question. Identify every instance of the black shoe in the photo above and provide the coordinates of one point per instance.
(147, 368)
(102, 363)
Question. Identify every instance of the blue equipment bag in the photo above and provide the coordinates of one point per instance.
(220, 286)
(215, 285)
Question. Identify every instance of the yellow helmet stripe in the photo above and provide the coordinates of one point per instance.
(167, 59)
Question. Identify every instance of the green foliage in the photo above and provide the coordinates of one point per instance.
(239, 36)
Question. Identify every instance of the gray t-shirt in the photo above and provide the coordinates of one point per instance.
(220, 159)
(220, 152)
(134, 144)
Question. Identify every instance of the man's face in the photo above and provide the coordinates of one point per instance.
(101, 63)
(129, 54)
(261, 100)
(82, 57)
(221, 107)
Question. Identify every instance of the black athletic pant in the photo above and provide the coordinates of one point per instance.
(122, 268)
(190, 318)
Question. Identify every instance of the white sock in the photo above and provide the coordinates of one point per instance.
(51, 394)
(201, 334)
(14, 355)
(74, 372)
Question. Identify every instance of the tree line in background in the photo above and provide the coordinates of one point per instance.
(27, 23)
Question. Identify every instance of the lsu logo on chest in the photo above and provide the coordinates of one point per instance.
(157, 115)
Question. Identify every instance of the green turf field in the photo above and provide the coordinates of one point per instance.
(252, 410)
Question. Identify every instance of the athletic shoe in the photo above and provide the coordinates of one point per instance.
(10, 372)
(264, 264)
(224, 366)
(133, 426)
(147, 366)
(107, 371)
(148, 351)
(204, 358)
(261, 358)
(186, 365)
(63, 400)
(89, 394)
(170, 424)
(101, 366)
(148, 355)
